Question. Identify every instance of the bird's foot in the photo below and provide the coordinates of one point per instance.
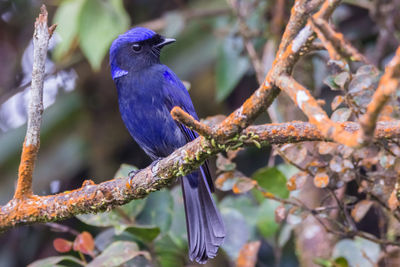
(154, 163)
(133, 173)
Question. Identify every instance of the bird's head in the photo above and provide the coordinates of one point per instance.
(136, 49)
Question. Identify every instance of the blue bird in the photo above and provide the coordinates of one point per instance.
(147, 91)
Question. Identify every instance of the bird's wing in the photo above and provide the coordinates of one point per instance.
(177, 95)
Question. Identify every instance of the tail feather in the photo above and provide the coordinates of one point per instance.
(206, 231)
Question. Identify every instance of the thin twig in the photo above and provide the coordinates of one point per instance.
(337, 46)
(186, 119)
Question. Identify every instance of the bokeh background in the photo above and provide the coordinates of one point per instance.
(83, 136)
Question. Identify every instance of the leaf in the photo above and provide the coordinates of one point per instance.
(84, 243)
(330, 81)
(297, 181)
(360, 209)
(357, 252)
(341, 115)
(120, 217)
(272, 180)
(243, 185)
(66, 17)
(144, 233)
(157, 211)
(177, 230)
(248, 254)
(226, 181)
(231, 66)
(325, 148)
(337, 101)
(245, 205)
(266, 220)
(99, 23)
(321, 179)
(234, 240)
(342, 79)
(285, 234)
(118, 253)
(168, 253)
(225, 164)
(52, 261)
(296, 153)
(62, 245)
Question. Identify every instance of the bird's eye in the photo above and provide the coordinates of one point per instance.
(136, 48)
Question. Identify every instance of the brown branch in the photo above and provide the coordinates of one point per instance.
(186, 119)
(317, 116)
(105, 196)
(286, 57)
(31, 145)
(388, 84)
(337, 46)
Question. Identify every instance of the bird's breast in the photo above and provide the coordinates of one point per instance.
(147, 118)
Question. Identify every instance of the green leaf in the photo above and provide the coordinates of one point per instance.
(117, 253)
(144, 233)
(99, 23)
(157, 211)
(177, 231)
(231, 66)
(52, 261)
(266, 220)
(238, 231)
(272, 180)
(120, 217)
(169, 254)
(354, 250)
(66, 18)
(244, 204)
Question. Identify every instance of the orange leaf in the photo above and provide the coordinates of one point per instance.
(84, 243)
(248, 254)
(62, 245)
(321, 180)
(243, 185)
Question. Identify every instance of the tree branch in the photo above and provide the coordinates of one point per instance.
(388, 84)
(95, 198)
(31, 145)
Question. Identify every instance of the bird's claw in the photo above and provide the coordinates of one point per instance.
(132, 174)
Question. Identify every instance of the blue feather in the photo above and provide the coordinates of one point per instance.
(147, 91)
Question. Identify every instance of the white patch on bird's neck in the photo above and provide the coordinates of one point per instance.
(117, 73)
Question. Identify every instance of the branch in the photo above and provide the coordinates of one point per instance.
(186, 119)
(31, 145)
(317, 116)
(95, 198)
(335, 43)
(387, 86)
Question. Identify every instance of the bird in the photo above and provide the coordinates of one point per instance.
(147, 91)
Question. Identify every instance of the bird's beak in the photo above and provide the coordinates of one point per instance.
(165, 41)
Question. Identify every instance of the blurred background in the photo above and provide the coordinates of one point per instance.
(83, 136)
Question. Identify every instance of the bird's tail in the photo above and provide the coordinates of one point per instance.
(206, 231)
